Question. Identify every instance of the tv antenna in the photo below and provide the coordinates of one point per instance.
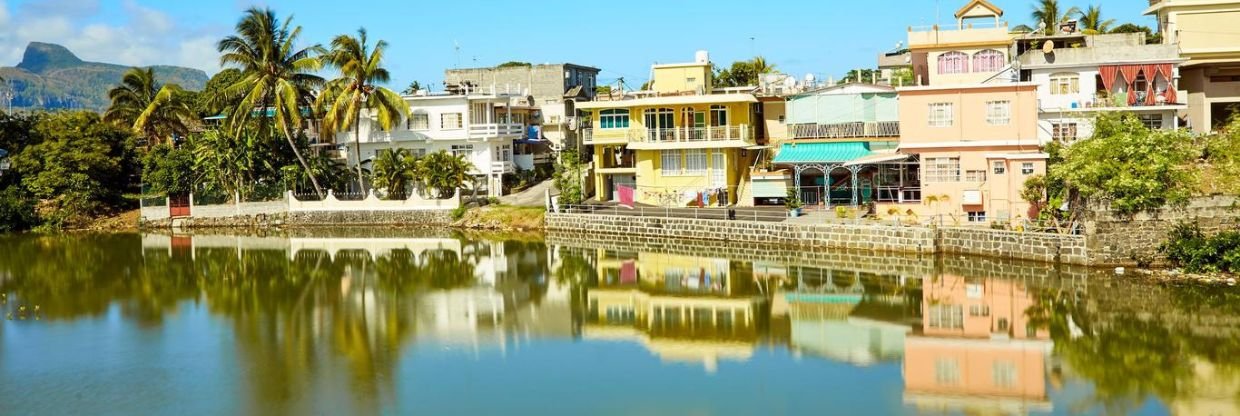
(456, 46)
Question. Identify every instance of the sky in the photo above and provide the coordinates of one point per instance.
(825, 38)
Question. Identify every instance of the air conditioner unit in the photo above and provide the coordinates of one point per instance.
(971, 197)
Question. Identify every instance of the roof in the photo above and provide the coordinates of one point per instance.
(670, 100)
(795, 153)
(858, 87)
(975, 3)
(573, 92)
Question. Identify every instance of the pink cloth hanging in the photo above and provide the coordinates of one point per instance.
(626, 196)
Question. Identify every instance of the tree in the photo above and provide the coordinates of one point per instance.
(355, 91)
(1134, 168)
(228, 164)
(1091, 19)
(152, 111)
(743, 73)
(214, 98)
(443, 173)
(1047, 13)
(513, 64)
(79, 167)
(602, 90)
(859, 75)
(568, 177)
(394, 172)
(412, 89)
(168, 171)
(276, 76)
(1150, 36)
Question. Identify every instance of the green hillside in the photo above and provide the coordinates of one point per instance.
(52, 77)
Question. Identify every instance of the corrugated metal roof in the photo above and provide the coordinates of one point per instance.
(794, 153)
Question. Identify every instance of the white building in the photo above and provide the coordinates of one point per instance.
(478, 125)
(1079, 76)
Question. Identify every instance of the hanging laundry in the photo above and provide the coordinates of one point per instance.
(626, 196)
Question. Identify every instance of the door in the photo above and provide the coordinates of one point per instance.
(718, 170)
(178, 206)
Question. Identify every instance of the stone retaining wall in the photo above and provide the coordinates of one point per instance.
(1117, 241)
(1051, 248)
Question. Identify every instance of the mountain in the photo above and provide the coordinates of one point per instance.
(51, 77)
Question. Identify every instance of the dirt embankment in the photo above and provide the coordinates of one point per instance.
(502, 218)
(124, 221)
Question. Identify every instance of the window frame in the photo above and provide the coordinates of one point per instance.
(443, 121)
(425, 118)
(988, 60)
(999, 112)
(1065, 83)
(941, 170)
(614, 118)
(953, 62)
(975, 216)
(941, 115)
(676, 168)
(1027, 168)
(1059, 130)
(998, 167)
(693, 166)
(718, 115)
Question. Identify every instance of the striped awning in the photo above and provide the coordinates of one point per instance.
(837, 152)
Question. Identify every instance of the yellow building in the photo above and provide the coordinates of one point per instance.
(675, 143)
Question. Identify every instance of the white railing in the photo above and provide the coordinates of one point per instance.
(501, 166)
(495, 129)
(692, 134)
(415, 202)
(859, 129)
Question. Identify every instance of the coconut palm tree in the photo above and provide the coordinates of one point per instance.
(152, 111)
(355, 91)
(760, 66)
(276, 76)
(1091, 19)
(1047, 12)
(394, 170)
(443, 172)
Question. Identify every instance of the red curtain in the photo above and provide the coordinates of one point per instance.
(1129, 72)
(1151, 75)
(1108, 73)
(1167, 73)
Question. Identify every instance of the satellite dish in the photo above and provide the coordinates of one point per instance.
(1048, 47)
(809, 78)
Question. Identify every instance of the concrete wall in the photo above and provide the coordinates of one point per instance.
(885, 238)
(430, 218)
(1119, 241)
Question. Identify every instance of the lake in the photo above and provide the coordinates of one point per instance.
(385, 321)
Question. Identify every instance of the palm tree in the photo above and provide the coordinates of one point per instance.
(1091, 19)
(1047, 12)
(394, 170)
(152, 111)
(760, 66)
(276, 76)
(355, 91)
(443, 172)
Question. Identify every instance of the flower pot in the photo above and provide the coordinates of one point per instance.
(794, 212)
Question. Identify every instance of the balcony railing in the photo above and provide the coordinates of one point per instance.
(692, 134)
(495, 129)
(502, 166)
(860, 129)
(1120, 100)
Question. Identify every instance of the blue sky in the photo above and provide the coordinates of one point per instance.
(622, 38)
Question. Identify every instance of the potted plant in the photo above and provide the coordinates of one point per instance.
(793, 203)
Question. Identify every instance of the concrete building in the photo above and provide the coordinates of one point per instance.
(1079, 76)
(550, 89)
(476, 124)
(676, 144)
(975, 50)
(1206, 33)
(976, 145)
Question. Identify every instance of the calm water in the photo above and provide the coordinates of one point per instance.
(389, 322)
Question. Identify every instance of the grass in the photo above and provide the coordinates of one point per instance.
(503, 217)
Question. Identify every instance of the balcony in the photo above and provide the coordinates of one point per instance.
(1103, 101)
(679, 135)
(492, 130)
(502, 166)
(851, 130)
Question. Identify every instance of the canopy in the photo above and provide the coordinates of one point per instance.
(832, 152)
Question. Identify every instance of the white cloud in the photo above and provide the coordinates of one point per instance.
(145, 37)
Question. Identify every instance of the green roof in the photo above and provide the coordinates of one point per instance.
(794, 153)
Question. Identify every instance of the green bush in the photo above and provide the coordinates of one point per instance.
(1187, 247)
(16, 211)
(459, 212)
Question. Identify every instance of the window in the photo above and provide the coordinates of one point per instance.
(975, 176)
(977, 216)
(946, 371)
(940, 115)
(670, 162)
(988, 60)
(462, 150)
(954, 63)
(718, 115)
(1004, 374)
(1063, 131)
(503, 153)
(450, 121)
(1152, 121)
(998, 113)
(979, 310)
(946, 316)
(660, 118)
(999, 167)
(419, 121)
(942, 169)
(613, 119)
(418, 153)
(1064, 83)
(695, 161)
(1026, 168)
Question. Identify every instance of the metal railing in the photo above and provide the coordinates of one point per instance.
(502, 166)
(758, 214)
(495, 129)
(859, 129)
(692, 134)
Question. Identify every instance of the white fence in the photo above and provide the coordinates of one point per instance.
(290, 203)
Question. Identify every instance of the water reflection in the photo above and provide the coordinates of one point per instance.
(323, 322)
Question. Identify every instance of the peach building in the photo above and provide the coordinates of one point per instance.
(977, 351)
(977, 144)
(973, 51)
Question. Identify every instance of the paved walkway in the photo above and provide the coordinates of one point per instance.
(531, 197)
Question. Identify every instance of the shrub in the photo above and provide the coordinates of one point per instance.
(1187, 247)
(841, 212)
(16, 211)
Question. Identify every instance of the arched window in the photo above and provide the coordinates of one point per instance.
(988, 60)
(1065, 83)
(954, 63)
(613, 119)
